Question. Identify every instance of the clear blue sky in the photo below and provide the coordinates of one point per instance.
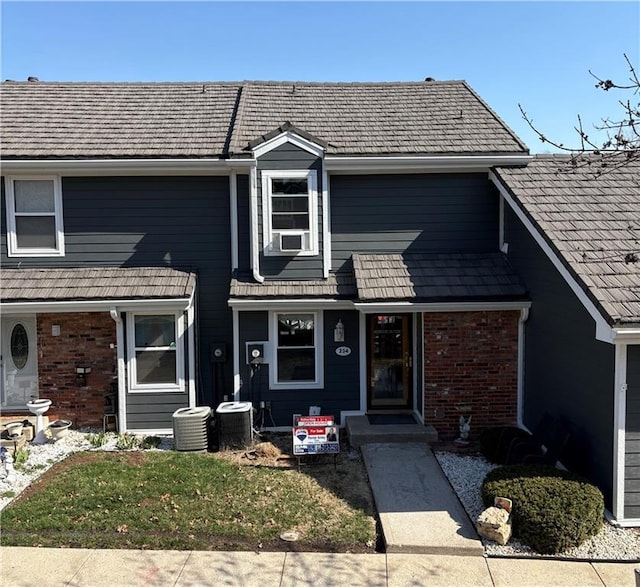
(537, 54)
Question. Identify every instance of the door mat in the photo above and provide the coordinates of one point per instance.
(389, 419)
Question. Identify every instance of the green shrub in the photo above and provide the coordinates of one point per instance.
(127, 442)
(97, 440)
(20, 458)
(553, 510)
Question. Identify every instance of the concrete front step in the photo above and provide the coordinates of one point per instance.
(361, 432)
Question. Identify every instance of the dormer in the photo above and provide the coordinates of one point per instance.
(289, 203)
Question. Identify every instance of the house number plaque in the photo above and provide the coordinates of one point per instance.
(343, 351)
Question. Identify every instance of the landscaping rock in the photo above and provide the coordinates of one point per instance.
(494, 523)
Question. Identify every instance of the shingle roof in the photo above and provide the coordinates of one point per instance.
(96, 283)
(592, 222)
(115, 120)
(436, 277)
(336, 286)
(376, 118)
(156, 120)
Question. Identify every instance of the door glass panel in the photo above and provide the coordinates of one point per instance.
(389, 361)
(19, 346)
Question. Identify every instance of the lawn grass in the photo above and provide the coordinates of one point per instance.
(171, 500)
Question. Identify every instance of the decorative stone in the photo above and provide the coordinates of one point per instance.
(494, 523)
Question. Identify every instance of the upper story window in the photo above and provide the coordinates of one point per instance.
(155, 352)
(34, 217)
(290, 212)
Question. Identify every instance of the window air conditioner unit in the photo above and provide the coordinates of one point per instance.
(290, 242)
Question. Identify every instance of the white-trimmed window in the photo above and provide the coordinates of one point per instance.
(34, 217)
(290, 212)
(297, 350)
(156, 357)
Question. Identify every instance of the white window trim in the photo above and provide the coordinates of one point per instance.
(318, 382)
(12, 237)
(180, 335)
(267, 231)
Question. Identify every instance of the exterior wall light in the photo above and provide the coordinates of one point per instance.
(81, 374)
(338, 332)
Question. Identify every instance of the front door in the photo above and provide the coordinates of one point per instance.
(18, 361)
(389, 361)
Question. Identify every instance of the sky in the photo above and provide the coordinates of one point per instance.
(537, 54)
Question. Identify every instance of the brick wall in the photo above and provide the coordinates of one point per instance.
(83, 341)
(471, 369)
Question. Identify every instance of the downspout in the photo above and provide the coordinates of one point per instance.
(236, 354)
(619, 429)
(524, 316)
(192, 348)
(255, 245)
(122, 412)
(326, 226)
(233, 205)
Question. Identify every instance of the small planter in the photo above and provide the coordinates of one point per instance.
(14, 429)
(59, 428)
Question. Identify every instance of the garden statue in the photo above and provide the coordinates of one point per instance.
(465, 428)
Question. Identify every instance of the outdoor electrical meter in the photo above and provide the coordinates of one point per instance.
(255, 353)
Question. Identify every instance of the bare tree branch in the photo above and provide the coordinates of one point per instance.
(622, 142)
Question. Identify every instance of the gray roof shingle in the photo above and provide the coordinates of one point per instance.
(436, 277)
(376, 118)
(76, 120)
(95, 283)
(173, 120)
(336, 286)
(591, 221)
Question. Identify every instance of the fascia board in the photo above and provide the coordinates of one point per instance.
(288, 137)
(604, 331)
(374, 307)
(285, 304)
(13, 308)
(89, 167)
(428, 163)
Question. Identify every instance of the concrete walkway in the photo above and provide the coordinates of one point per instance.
(51, 567)
(419, 511)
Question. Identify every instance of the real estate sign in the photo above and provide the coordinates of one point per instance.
(315, 435)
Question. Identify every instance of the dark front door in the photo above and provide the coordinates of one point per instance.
(389, 361)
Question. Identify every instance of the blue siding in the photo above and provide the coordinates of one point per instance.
(341, 374)
(181, 222)
(567, 371)
(632, 444)
(416, 213)
(287, 157)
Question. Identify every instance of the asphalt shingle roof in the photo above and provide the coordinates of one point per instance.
(336, 286)
(394, 276)
(592, 222)
(158, 120)
(96, 283)
(376, 118)
(115, 120)
(436, 277)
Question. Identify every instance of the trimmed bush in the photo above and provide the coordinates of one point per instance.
(553, 510)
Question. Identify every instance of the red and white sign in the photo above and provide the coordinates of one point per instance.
(315, 435)
(315, 421)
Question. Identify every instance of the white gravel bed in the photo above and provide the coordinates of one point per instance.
(43, 454)
(466, 473)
